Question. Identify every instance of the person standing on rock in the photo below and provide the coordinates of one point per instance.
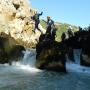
(37, 21)
(50, 24)
(50, 29)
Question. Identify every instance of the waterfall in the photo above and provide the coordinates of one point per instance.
(75, 66)
(28, 61)
(77, 54)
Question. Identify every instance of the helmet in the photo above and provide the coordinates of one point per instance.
(48, 17)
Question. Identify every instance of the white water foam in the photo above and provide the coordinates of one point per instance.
(28, 62)
(72, 67)
(76, 67)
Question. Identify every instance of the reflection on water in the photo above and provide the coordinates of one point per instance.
(19, 77)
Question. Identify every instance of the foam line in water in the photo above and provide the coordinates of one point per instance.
(28, 61)
(72, 67)
(26, 67)
(6, 64)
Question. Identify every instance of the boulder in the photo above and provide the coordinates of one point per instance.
(85, 60)
(15, 19)
(50, 55)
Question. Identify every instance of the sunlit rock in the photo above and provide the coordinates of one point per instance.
(15, 19)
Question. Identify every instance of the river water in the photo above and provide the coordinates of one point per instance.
(23, 75)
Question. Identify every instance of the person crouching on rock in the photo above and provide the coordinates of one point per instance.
(37, 21)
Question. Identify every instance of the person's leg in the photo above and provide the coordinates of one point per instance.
(48, 30)
(38, 28)
(35, 27)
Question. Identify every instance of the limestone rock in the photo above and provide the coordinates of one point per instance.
(15, 19)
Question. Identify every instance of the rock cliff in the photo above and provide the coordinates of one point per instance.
(15, 19)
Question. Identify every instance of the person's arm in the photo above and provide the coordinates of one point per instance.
(40, 14)
(53, 23)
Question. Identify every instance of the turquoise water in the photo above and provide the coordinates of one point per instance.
(24, 76)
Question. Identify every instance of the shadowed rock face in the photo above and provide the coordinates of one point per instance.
(81, 40)
(50, 55)
(8, 49)
(85, 60)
